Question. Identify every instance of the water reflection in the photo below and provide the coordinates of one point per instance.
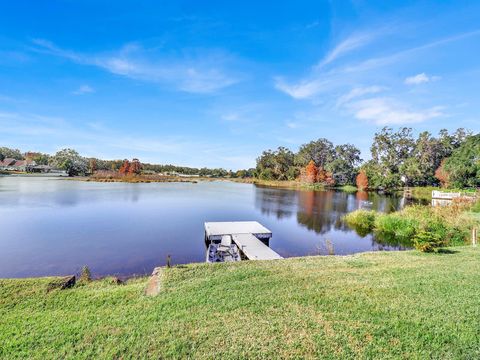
(271, 201)
(54, 227)
(321, 211)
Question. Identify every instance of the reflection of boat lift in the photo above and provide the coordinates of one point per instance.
(225, 251)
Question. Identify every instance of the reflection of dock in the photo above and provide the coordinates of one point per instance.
(251, 237)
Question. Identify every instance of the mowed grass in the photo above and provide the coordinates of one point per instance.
(372, 305)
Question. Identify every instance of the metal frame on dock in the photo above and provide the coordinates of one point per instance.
(251, 237)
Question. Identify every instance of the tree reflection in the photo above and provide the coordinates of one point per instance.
(322, 211)
(278, 202)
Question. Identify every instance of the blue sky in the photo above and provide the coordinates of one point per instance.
(213, 83)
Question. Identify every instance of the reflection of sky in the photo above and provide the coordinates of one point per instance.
(51, 226)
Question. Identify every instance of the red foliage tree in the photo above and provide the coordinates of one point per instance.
(135, 167)
(311, 172)
(125, 168)
(362, 180)
(442, 175)
(325, 177)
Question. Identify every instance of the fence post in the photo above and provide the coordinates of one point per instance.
(474, 236)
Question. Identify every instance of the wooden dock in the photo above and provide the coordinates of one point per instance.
(251, 237)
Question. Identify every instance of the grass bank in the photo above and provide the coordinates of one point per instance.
(372, 305)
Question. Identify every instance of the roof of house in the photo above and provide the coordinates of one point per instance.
(7, 162)
(20, 163)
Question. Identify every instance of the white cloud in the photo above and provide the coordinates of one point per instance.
(319, 81)
(196, 72)
(304, 89)
(84, 89)
(385, 111)
(351, 43)
(420, 78)
(359, 92)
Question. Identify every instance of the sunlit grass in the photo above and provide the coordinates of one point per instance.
(372, 305)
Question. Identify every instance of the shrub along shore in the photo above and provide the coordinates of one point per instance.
(425, 227)
(404, 304)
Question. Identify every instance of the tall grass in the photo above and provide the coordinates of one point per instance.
(361, 220)
(424, 227)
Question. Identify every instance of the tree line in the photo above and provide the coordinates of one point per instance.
(398, 158)
(74, 164)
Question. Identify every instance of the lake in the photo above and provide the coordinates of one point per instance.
(51, 226)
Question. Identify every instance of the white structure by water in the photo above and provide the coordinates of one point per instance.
(251, 237)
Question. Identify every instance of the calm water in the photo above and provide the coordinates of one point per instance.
(52, 226)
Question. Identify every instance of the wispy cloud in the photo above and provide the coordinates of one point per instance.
(304, 89)
(84, 89)
(319, 81)
(420, 79)
(201, 71)
(359, 92)
(386, 111)
(351, 43)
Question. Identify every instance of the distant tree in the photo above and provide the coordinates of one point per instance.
(92, 165)
(70, 161)
(325, 177)
(442, 175)
(362, 180)
(321, 151)
(283, 160)
(389, 152)
(293, 173)
(311, 172)
(135, 167)
(41, 159)
(275, 165)
(463, 166)
(10, 153)
(125, 168)
(241, 174)
(344, 165)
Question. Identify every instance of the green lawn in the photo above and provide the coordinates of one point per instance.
(372, 305)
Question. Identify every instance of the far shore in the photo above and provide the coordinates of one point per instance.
(419, 192)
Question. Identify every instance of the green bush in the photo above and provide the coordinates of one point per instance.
(476, 207)
(266, 174)
(362, 220)
(396, 224)
(428, 241)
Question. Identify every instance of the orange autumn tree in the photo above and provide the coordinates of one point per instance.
(125, 168)
(311, 172)
(362, 180)
(325, 177)
(135, 167)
